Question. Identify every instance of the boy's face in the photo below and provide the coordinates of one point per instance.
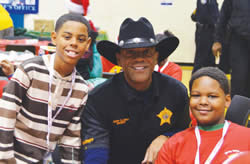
(71, 42)
(138, 65)
(208, 101)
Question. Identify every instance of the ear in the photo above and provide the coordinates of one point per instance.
(88, 43)
(156, 57)
(53, 37)
(228, 100)
(118, 58)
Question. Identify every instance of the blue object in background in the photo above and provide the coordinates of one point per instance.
(21, 6)
(166, 2)
(18, 20)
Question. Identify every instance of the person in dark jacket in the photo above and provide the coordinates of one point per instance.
(205, 16)
(128, 117)
(234, 18)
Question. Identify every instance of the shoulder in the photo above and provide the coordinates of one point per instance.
(169, 82)
(81, 83)
(33, 63)
(33, 66)
(104, 92)
(235, 128)
(175, 147)
(102, 88)
(180, 138)
(35, 59)
(183, 135)
(172, 64)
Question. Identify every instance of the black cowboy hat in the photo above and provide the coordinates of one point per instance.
(137, 34)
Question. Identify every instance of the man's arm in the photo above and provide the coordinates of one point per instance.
(153, 149)
(221, 27)
(165, 154)
(9, 107)
(95, 137)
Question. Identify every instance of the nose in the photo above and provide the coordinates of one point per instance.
(138, 59)
(73, 41)
(203, 100)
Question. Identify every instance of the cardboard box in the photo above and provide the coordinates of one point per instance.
(43, 25)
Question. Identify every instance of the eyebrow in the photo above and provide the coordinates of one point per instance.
(71, 34)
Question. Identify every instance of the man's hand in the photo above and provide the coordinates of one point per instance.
(216, 49)
(7, 67)
(153, 149)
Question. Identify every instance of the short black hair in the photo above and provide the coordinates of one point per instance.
(214, 73)
(72, 17)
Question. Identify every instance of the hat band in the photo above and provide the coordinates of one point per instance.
(136, 41)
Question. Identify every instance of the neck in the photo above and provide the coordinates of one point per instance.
(62, 68)
(140, 86)
(211, 127)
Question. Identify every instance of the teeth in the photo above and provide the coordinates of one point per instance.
(139, 68)
(72, 53)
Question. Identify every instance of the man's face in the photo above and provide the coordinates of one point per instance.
(138, 65)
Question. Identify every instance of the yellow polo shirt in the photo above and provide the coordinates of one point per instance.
(5, 19)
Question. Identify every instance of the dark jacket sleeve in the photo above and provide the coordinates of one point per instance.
(95, 136)
(223, 20)
(184, 118)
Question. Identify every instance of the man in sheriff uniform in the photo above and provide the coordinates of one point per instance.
(205, 16)
(128, 118)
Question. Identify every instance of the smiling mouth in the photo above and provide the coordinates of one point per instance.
(203, 111)
(139, 68)
(72, 54)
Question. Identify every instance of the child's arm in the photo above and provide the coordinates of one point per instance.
(70, 142)
(9, 108)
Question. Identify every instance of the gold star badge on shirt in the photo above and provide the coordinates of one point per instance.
(165, 116)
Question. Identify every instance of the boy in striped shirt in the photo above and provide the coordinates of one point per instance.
(42, 104)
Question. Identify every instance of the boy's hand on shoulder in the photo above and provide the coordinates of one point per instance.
(153, 149)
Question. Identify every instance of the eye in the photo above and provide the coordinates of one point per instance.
(194, 95)
(83, 39)
(150, 53)
(212, 96)
(129, 54)
(67, 37)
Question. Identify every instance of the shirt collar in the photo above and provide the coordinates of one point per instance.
(212, 127)
(130, 93)
(56, 74)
